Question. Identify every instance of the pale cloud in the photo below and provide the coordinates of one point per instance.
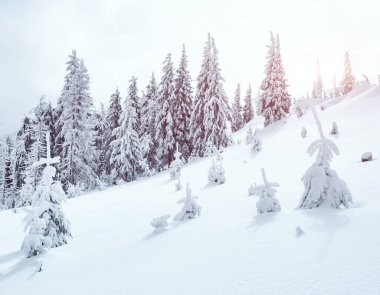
(119, 39)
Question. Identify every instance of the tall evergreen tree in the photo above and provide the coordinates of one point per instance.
(3, 154)
(275, 98)
(348, 80)
(237, 119)
(164, 119)
(77, 131)
(182, 106)
(318, 86)
(100, 128)
(210, 110)
(127, 157)
(113, 121)
(248, 112)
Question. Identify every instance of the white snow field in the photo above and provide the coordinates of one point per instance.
(229, 249)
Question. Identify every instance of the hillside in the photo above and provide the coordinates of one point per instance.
(229, 249)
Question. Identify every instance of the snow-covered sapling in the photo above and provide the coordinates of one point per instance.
(334, 129)
(216, 173)
(266, 193)
(249, 136)
(74, 190)
(303, 132)
(190, 208)
(320, 181)
(367, 157)
(175, 166)
(178, 185)
(256, 142)
(160, 223)
(47, 217)
(299, 111)
(299, 231)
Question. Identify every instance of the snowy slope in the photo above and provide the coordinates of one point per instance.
(229, 249)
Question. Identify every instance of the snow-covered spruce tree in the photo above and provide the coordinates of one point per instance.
(348, 80)
(190, 208)
(320, 181)
(266, 193)
(77, 132)
(303, 132)
(335, 90)
(182, 106)
(334, 129)
(216, 173)
(256, 147)
(175, 166)
(47, 217)
(100, 129)
(237, 119)
(248, 112)
(164, 119)
(249, 137)
(8, 174)
(318, 86)
(113, 120)
(275, 98)
(210, 109)
(149, 110)
(126, 157)
(3, 155)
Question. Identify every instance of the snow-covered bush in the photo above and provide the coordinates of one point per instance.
(190, 208)
(249, 136)
(303, 132)
(175, 166)
(367, 157)
(160, 223)
(299, 111)
(320, 181)
(256, 147)
(210, 149)
(334, 129)
(178, 185)
(266, 193)
(216, 173)
(74, 190)
(299, 231)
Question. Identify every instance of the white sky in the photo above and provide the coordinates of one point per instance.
(122, 38)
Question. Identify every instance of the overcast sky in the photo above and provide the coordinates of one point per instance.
(118, 39)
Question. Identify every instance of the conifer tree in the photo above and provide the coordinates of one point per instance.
(164, 119)
(275, 97)
(348, 80)
(237, 119)
(77, 131)
(182, 106)
(248, 112)
(126, 157)
(211, 109)
(318, 86)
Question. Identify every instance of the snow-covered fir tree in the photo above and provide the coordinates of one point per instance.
(7, 173)
(266, 192)
(76, 134)
(47, 224)
(175, 166)
(318, 86)
(256, 146)
(348, 80)
(190, 208)
(164, 120)
(210, 109)
(100, 130)
(237, 118)
(182, 106)
(216, 173)
(248, 112)
(275, 98)
(3, 155)
(320, 181)
(249, 137)
(127, 157)
(113, 120)
(336, 90)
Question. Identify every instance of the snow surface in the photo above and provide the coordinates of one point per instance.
(230, 249)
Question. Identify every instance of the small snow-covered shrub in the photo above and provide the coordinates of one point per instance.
(175, 166)
(303, 132)
(256, 147)
(334, 129)
(367, 157)
(160, 223)
(299, 111)
(216, 173)
(190, 208)
(299, 231)
(178, 185)
(249, 136)
(74, 190)
(266, 192)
